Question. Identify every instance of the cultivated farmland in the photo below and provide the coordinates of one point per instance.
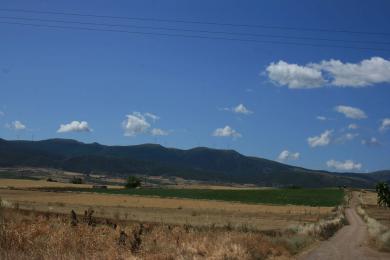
(309, 197)
(191, 216)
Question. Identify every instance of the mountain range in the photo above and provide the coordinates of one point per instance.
(200, 163)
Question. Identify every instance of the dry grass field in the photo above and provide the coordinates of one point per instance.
(25, 184)
(37, 224)
(173, 211)
(378, 220)
(31, 235)
(381, 214)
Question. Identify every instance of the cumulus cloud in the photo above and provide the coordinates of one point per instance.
(295, 76)
(347, 165)
(353, 126)
(385, 125)
(351, 112)
(241, 109)
(321, 118)
(371, 142)
(226, 131)
(16, 125)
(135, 124)
(332, 72)
(287, 155)
(347, 137)
(366, 73)
(350, 136)
(152, 116)
(159, 132)
(141, 123)
(74, 126)
(321, 140)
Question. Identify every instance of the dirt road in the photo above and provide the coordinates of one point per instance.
(350, 242)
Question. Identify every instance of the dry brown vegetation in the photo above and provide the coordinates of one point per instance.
(38, 225)
(377, 218)
(23, 184)
(171, 211)
(31, 235)
(40, 235)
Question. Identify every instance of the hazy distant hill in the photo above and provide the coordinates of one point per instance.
(199, 163)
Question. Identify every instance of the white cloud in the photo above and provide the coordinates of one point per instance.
(287, 155)
(347, 137)
(347, 165)
(16, 125)
(321, 118)
(295, 76)
(135, 124)
(141, 123)
(152, 116)
(321, 140)
(227, 131)
(350, 136)
(333, 72)
(353, 126)
(351, 112)
(241, 109)
(366, 73)
(371, 142)
(385, 125)
(74, 126)
(159, 132)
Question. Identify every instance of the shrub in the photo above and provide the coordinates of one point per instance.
(378, 232)
(77, 180)
(132, 182)
(383, 190)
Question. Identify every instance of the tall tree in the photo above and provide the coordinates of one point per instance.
(383, 191)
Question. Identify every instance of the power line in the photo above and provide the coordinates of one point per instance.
(196, 31)
(199, 22)
(197, 36)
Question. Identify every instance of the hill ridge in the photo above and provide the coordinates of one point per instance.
(199, 163)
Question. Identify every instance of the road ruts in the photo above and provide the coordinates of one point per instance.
(350, 242)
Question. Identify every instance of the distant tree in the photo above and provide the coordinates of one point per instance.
(77, 180)
(383, 191)
(132, 182)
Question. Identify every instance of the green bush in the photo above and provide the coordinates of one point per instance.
(383, 191)
(77, 180)
(132, 182)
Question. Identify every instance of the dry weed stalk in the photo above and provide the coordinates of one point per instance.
(34, 236)
(379, 233)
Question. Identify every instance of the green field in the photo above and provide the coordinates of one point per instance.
(309, 197)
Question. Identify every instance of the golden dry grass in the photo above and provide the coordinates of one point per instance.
(173, 211)
(25, 184)
(369, 198)
(381, 214)
(29, 235)
(378, 220)
(37, 226)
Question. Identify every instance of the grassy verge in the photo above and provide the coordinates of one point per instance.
(379, 233)
(39, 235)
(308, 197)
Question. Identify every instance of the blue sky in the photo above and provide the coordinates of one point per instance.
(298, 99)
